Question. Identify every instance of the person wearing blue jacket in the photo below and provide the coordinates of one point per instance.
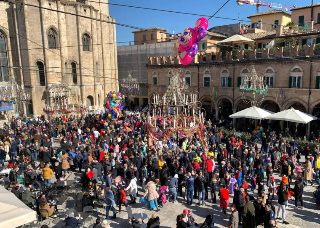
(190, 188)
(110, 203)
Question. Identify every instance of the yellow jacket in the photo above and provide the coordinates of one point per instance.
(317, 164)
(47, 173)
(160, 164)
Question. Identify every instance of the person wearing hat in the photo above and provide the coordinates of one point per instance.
(173, 185)
(189, 217)
(154, 221)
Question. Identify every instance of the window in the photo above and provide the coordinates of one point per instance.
(86, 42)
(42, 78)
(204, 46)
(169, 77)
(269, 77)
(74, 73)
(155, 78)
(144, 37)
(225, 79)
(318, 81)
(301, 20)
(276, 23)
(318, 19)
(4, 70)
(254, 25)
(311, 41)
(152, 36)
(296, 82)
(245, 72)
(295, 79)
(187, 77)
(206, 78)
(52, 39)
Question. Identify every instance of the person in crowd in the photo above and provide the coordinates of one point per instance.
(132, 189)
(71, 221)
(269, 218)
(154, 221)
(152, 194)
(283, 201)
(224, 199)
(47, 174)
(173, 185)
(45, 209)
(298, 191)
(110, 203)
(248, 214)
(234, 217)
(190, 188)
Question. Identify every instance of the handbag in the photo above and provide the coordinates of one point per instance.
(7, 157)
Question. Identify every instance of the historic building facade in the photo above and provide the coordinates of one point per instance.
(293, 80)
(48, 43)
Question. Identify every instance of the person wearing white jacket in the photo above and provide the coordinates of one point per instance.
(132, 189)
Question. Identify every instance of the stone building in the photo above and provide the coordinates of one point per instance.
(59, 46)
(293, 80)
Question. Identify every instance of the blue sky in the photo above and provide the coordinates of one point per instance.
(177, 22)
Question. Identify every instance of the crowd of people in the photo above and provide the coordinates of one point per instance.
(119, 162)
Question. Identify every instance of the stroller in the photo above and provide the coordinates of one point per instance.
(162, 196)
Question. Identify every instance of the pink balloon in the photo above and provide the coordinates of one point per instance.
(185, 58)
(201, 33)
(186, 39)
(202, 21)
(193, 50)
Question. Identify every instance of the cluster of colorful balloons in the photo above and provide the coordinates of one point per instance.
(188, 40)
(113, 104)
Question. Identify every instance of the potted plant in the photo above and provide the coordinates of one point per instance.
(317, 49)
(290, 25)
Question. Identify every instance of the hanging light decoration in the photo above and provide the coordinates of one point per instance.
(255, 85)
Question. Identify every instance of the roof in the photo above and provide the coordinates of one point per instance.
(273, 11)
(303, 7)
(236, 39)
(151, 29)
(216, 34)
(260, 35)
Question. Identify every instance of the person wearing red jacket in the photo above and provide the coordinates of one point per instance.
(122, 197)
(209, 165)
(224, 198)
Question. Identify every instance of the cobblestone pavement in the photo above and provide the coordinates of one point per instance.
(307, 217)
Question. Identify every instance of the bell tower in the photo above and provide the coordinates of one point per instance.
(101, 5)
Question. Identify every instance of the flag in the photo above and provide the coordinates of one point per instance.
(241, 31)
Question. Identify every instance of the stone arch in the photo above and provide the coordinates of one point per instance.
(225, 71)
(205, 97)
(315, 103)
(245, 70)
(206, 71)
(295, 68)
(89, 101)
(268, 69)
(290, 102)
(269, 101)
(239, 100)
(220, 98)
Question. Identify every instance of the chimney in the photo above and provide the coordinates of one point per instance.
(279, 30)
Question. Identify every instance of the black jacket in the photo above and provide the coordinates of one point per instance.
(298, 189)
(13, 176)
(282, 196)
(153, 223)
(199, 183)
